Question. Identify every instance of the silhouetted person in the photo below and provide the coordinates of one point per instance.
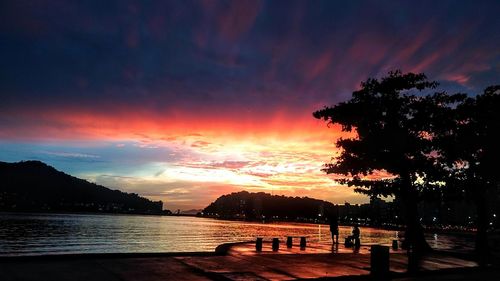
(355, 236)
(334, 229)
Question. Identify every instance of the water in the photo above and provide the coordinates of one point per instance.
(36, 234)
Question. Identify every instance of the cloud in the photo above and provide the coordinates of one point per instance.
(219, 164)
(70, 154)
(200, 144)
(237, 18)
(174, 194)
(214, 96)
(231, 164)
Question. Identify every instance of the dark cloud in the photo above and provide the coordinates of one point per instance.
(233, 56)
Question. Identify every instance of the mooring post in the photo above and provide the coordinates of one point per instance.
(302, 243)
(276, 244)
(258, 244)
(289, 241)
(379, 262)
(394, 244)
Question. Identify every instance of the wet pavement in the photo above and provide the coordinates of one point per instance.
(234, 262)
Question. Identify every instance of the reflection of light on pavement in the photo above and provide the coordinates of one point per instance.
(436, 243)
(319, 232)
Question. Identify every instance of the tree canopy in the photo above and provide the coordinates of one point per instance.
(395, 119)
(394, 125)
(470, 151)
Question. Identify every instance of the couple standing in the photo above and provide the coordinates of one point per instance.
(334, 229)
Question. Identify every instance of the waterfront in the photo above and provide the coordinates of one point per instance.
(42, 234)
(238, 262)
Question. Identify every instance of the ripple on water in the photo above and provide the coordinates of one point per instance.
(34, 234)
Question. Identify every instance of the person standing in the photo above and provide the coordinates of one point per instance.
(355, 236)
(334, 229)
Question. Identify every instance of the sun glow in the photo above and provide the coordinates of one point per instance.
(216, 156)
(182, 154)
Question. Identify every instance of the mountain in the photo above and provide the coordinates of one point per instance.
(257, 206)
(38, 187)
(191, 212)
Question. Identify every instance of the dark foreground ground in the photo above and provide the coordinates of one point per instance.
(238, 262)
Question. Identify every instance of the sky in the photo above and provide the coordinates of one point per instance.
(184, 101)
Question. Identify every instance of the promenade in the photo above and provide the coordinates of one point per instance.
(237, 262)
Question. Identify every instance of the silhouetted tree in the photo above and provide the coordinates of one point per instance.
(471, 150)
(394, 134)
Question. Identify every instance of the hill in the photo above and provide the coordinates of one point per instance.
(38, 187)
(257, 206)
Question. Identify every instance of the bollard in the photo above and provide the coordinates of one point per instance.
(348, 242)
(258, 244)
(379, 259)
(302, 243)
(276, 244)
(394, 244)
(289, 241)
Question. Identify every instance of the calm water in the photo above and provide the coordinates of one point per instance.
(35, 234)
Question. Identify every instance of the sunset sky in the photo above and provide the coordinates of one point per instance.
(183, 101)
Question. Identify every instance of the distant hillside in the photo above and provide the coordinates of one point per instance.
(191, 212)
(35, 186)
(257, 206)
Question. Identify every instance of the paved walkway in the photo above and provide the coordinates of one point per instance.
(318, 260)
(240, 262)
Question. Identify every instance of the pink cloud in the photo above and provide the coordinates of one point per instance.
(237, 18)
(318, 65)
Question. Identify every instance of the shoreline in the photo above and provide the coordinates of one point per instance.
(77, 256)
(80, 213)
(394, 228)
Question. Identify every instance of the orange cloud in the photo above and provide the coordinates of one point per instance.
(279, 154)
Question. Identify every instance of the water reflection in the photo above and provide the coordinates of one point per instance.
(28, 234)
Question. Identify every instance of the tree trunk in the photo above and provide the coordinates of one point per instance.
(482, 247)
(414, 234)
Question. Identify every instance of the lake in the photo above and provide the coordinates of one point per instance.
(37, 234)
